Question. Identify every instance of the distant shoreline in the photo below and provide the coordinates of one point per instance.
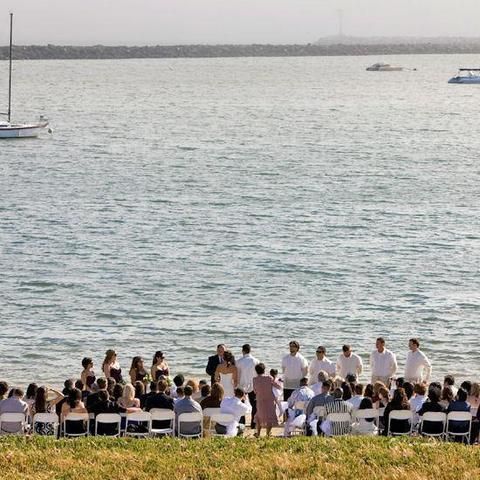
(101, 52)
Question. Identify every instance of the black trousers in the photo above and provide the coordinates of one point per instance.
(287, 393)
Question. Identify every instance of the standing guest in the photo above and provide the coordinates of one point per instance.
(137, 370)
(215, 398)
(336, 405)
(474, 397)
(237, 407)
(139, 390)
(74, 404)
(322, 376)
(294, 367)
(128, 400)
(31, 394)
(3, 390)
(214, 361)
(178, 381)
(13, 404)
(418, 367)
(382, 363)
(431, 405)
(92, 399)
(303, 394)
(227, 374)
(349, 363)
(111, 367)
(88, 375)
(449, 381)
(320, 364)
(446, 396)
(278, 394)
(263, 386)
(357, 397)
(153, 391)
(398, 402)
(320, 400)
(246, 373)
(187, 405)
(159, 366)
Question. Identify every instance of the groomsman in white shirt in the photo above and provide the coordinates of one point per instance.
(382, 363)
(294, 367)
(418, 367)
(318, 364)
(349, 363)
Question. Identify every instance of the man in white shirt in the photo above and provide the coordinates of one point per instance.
(237, 407)
(246, 371)
(321, 362)
(294, 367)
(303, 394)
(13, 404)
(418, 367)
(382, 363)
(349, 363)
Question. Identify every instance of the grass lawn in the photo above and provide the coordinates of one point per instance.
(306, 458)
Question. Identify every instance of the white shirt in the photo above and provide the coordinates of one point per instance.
(417, 363)
(383, 364)
(416, 402)
(246, 372)
(318, 365)
(352, 364)
(238, 409)
(294, 367)
(355, 401)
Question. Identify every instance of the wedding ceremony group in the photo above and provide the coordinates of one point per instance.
(243, 397)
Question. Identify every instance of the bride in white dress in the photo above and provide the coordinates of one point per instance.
(227, 374)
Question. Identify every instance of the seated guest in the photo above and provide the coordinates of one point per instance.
(377, 386)
(383, 397)
(153, 391)
(215, 398)
(302, 394)
(237, 407)
(139, 388)
(398, 402)
(446, 396)
(105, 405)
(409, 390)
(178, 381)
(3, 390)
(42, 405)
(347, 391)
(117, 392)
(111, 367)
(179, 394)
(128, 400)
(93, 397)
(30, 394)
(88, 375)
(365, 426)
(474, 398)
(431, 405)
(160, 400)
(459, 405)
(187, 405)
(74, 404)
(79, 384)
(467, 386)
(336, 405)
(369, 393)
(357, 397)
(204, 393)
(313, 422)
(13, 404)
(68, 387)
(111, 384)
(418, 399)
(195, 388)
(137, 370)
(318, 385)
(449, 381)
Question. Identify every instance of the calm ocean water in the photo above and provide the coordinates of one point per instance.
(183, 203)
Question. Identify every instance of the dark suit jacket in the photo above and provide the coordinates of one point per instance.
(212, 364)
(160, 400)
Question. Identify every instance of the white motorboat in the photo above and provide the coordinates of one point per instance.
(466, 75)
(384, 67)
(18, 130)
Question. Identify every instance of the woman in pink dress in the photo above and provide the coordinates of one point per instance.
(266, 407)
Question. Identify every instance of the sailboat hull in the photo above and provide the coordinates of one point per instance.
(22, 131)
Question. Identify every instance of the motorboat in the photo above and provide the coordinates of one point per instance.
(384, 67)
(18, 130)
(466, 75)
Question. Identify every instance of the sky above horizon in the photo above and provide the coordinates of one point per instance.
(164, 22)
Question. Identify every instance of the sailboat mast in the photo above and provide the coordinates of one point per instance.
(10, 71)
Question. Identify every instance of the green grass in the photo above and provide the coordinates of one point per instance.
(298, 458)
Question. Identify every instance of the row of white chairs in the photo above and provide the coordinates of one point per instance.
(18, 423)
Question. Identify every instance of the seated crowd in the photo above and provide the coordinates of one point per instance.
(314, 398)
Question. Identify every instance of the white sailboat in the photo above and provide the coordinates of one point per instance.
(18, 130)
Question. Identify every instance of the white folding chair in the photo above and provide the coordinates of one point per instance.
(163, 415)
(360, 417)
(319, 412)
(76, 417)
(45, 419)
(433, 417)
(341, 424)
(464, 417)
(109, 419)
(222, 419)
(15, 421)
(193, 417)
(138, 421)
(403, 416)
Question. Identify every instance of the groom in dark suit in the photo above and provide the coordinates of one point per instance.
(214, 361)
